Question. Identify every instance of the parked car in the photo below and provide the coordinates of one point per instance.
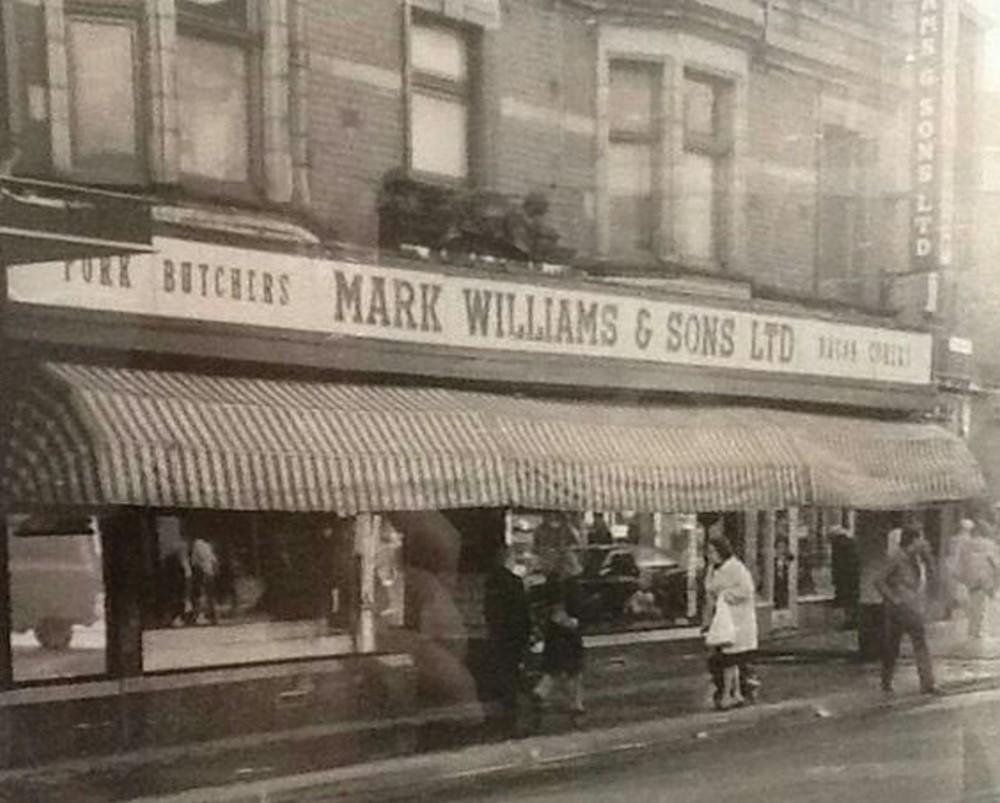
(616, 577)
(56, 582)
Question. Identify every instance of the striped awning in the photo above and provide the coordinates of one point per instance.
(580, 456)
(98, 435)
(871, 464)
(95, 435)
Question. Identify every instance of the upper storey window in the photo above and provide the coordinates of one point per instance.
(217, 47)
(440, 99)
(104, 72)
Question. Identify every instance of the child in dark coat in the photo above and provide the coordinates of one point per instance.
(562, 657)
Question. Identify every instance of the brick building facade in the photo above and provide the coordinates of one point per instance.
(788, 192)
(429, 278)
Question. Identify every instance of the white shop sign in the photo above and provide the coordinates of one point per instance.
(198, 281)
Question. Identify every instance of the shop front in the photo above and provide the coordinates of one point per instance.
(275, 481)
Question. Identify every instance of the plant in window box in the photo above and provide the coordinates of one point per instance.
(480, 223)
(466, 222)
(490, 224)
(412, 211)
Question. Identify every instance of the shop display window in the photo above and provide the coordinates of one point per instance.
(390, 575)
(228, 588)
(633, 571)
(815, 576)
(56, 597)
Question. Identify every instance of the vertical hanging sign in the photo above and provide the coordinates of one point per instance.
(925, 233)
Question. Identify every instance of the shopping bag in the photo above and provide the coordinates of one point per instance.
(722, 631)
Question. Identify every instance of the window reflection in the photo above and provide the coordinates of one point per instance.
(102, 71)
(236, 588)
(57, 598)
(215, 124)
(634, 571)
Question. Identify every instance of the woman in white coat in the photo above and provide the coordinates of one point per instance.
(728, 579)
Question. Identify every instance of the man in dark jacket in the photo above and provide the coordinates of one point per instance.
(903, 585)
(508, 624)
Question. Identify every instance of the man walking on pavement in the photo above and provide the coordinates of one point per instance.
(903, 586)
(508, 624)
(978, 570)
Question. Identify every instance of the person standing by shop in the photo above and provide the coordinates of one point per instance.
(508, 625)
(728, 579)
(903, 585)
(846, 574)
(958, 592)
(203, 571)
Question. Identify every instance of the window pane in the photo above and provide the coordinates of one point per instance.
(102, 78)
(699, 107)
(633, 90)
(630, 170)
(232, 12)
(439, 51)
(440, 135)
(212, 89)
(57, 599)
(236, 588)
(631, 570)
(697, 205)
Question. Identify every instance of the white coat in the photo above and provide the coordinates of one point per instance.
(733, 581)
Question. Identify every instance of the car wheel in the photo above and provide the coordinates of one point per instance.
(54, 634)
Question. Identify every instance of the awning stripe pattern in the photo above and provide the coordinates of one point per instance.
(99, 435)
(93, 435)
(875, 464)
(595, 456)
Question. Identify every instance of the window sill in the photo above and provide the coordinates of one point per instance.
(117, 181)
(213, 190)
(812, 599)
(208, 646)
(439, 180)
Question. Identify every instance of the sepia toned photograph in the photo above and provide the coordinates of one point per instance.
(466, 401)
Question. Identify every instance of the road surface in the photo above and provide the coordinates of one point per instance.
(938, 751)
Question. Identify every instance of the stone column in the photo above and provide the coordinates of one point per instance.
(123, 534)
(793, 572)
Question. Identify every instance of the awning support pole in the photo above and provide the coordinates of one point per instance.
(750, 545)
(768, 535)
(6, 413)
(366, 528)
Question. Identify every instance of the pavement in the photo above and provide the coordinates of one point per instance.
(638, 696)
(940, 750)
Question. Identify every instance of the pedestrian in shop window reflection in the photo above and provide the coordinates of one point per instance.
(562, 655)
(508, 624)
(175, 582)
(202, 572)
(783, 560)
(734, 680)
(599, 534)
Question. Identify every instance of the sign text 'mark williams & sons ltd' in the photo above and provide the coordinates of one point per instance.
(198, 281)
